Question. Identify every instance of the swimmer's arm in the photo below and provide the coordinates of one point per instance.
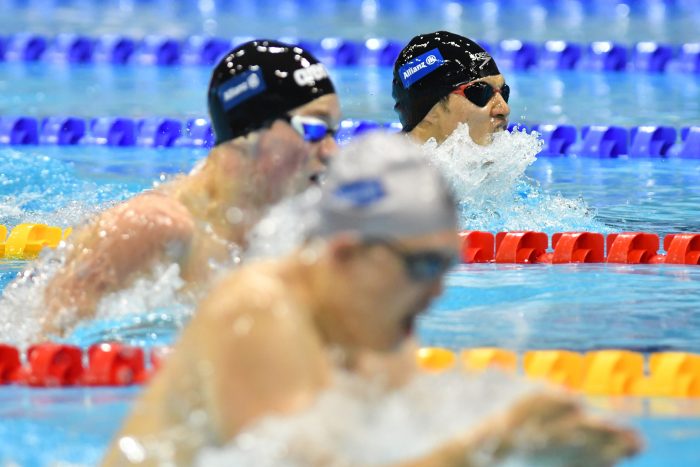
(538, 428)
(122, 241)
(258, 351)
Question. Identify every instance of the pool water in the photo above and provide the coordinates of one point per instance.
(576, 98)
(523, 307)
(672, 21)
(578, 307)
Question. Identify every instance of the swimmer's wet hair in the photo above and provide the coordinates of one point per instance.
(259, 82)
(381, 185)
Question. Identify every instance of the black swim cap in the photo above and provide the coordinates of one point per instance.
(430, 67)
(260, 81)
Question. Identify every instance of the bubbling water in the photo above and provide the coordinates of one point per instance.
(356, 423)
(153, 298)
(493, 192)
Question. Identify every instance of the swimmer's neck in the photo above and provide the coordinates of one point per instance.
(310, 279)
(422, 133)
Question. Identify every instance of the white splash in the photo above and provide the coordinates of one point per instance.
(493, 191)
(283, 228)
(22, 302)
(160, 288)
(23, 311)
(354, 423)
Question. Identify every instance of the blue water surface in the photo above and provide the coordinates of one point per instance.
(670, 21)
(627, 99)
(580, 307)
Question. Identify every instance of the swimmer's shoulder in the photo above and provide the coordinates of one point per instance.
(157, 214)
(257, 288)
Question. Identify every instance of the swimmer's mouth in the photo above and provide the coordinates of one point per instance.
(501, 125)
(317, 178)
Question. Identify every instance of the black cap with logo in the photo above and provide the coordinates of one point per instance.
(260, 81)
(430, 67)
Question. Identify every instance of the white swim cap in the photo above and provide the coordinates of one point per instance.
(381, 185)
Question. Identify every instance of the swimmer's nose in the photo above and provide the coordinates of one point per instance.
(327, 150)
(500, 108)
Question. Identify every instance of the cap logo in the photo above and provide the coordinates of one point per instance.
(309, 75)
(420, 66)
(484, 57)
(241, 88)
(361, 193)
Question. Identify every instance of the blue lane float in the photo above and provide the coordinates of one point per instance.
(108, 131)
(62, 131)
(689, 147)
(19, 130)
(516, 55)
(651, 141)
(70, 48)
(557, 138)
(601, 56)
(559, 55)
(196, 132)
(114, 50)
(158, 50)
(601, 141)
(157, 132)
(604, 56)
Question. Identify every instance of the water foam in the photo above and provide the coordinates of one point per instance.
(155, 296)
(356, 423)
(40, 189)
(493, 191)
(283, 227)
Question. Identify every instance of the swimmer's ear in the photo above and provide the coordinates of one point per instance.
(344, 247)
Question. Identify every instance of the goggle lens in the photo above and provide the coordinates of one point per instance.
(427, 266)
(480, 93)
(312, 129)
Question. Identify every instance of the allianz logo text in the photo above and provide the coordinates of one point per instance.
(428, 61)
(250, 83)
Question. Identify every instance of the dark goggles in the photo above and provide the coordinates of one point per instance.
(480, 93)
(421, 266)
(312, 129)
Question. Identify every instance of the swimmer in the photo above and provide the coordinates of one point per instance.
(270, 337)
(443, 79)
(274, 112)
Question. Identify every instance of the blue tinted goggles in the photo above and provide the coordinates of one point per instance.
(421, 266)
(312, 129)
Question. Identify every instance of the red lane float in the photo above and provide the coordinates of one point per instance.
(521, 247)
(477, 247)
(578, 247)
(10, 366)
(682, 248)
(114, 364)
(53, 365)
(632, 248)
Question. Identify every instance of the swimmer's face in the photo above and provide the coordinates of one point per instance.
(288, 163)
(482, 121)
(327, 109)
(386, 296)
